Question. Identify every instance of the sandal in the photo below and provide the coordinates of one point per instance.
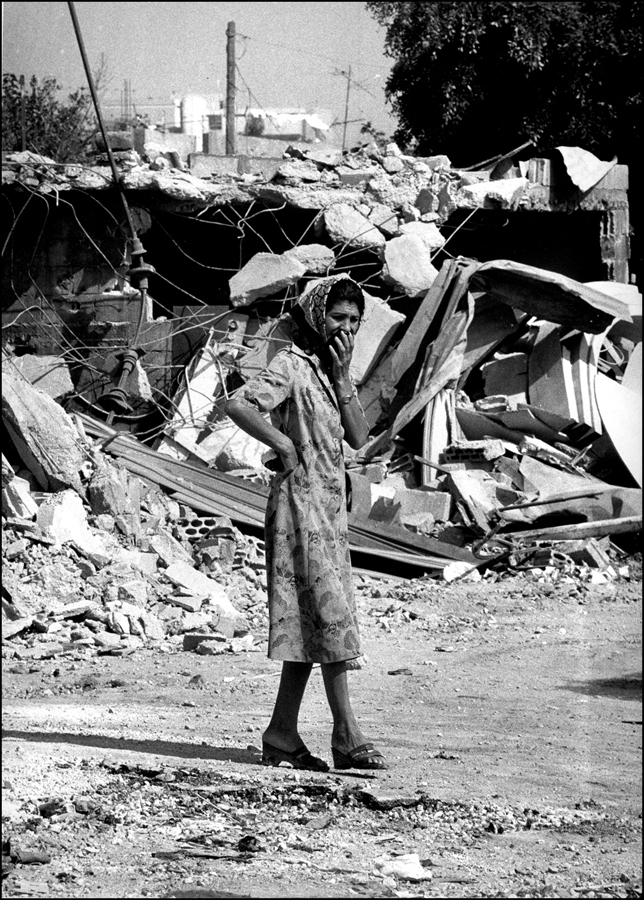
(299, 759)
(363, 757)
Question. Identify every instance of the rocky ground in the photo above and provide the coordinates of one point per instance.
(509, 710)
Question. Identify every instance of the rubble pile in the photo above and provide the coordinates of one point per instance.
(117, 565)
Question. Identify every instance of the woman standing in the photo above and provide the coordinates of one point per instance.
(312, 616)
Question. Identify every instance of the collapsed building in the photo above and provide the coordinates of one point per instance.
(499, 361)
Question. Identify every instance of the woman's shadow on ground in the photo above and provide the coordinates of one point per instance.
(250, 756)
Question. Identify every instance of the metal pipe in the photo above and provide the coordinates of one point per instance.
(99, 116)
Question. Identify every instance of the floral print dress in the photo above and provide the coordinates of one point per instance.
(312, 614)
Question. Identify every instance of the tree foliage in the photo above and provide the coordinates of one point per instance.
(61, 130)
(473, 80)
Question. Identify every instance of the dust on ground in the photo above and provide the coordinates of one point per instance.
(510, 714)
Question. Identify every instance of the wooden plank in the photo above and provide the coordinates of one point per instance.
(408, 538)
(580, 530)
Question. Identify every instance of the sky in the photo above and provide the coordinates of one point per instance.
(287, 54)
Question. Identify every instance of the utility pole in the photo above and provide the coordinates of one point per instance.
(23, 115)
(346, 111)
(231, 137)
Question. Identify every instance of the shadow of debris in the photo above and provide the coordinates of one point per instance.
(626, 687)
(155, 748)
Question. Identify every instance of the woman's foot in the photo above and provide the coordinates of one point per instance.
(293, 751)
(351, 750)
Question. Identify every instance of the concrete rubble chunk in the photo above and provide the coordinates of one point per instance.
(46, 373)
(296, 170)
(346, 226)
(63, 516)
(264, 275)
(42, 433)
(107, 489)
(316, 258)
(200, 585)
(384, 218)
(191, 604)
(408, 266)
(427, 232)
(379, 324)
(393, 164)
(503, 194)
(17, 500)
(134, 591)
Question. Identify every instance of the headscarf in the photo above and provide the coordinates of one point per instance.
(313, 301)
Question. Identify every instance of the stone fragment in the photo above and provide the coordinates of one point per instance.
(379, 324)
(392, 165)
(17, 500)
(46, 373)
(421, 523)
(264, 275)
(192, 604)
(346, 226)
(502, 194)
(107, 639)
(152, 625)
(427, 232)
(169, 549)
(200, 585)
(119, 622)
(141, 560)
(135, 591)
(392, 149)
(297, 170)
(42, 433)
(63, 516)
(437, 504)
(408, 266)
(107, 489)
(316, 258)
(354, 177)
(384, 218)
(9, 629)
(192, 640)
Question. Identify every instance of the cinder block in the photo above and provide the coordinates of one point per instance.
(434, 503)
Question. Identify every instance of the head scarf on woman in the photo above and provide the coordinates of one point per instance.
(313, 301)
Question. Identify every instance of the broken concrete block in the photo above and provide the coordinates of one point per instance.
(434, 503)
(43, 434)
(200, 585)
(135, 591)
(119, 622)
(192, 640)
(392, 165)
(377, 329)
(10, 629)
(264, 275)
(169, 549)
(295, 171)
(211, 647)
(316, 258)
(191, 604)
(421, 523)
(46, 373)
(427, 232)
(473, 451)
(384, 218)
(141, 560)
(152, 625)
(63, 516)
(352, 177)
(17, 500)
(107, 639)
(346, 226)
(407, 265)
(507, 374)
(503, 194)
(106, 490)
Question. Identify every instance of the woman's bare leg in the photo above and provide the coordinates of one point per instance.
(282, 731)
(346, 731)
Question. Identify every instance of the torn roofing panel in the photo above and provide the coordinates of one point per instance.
(549, 295)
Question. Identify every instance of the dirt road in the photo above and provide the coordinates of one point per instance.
(510, 713)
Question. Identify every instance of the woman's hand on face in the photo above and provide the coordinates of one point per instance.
(341, 351)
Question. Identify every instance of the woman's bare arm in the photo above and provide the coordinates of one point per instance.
(253, 423)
